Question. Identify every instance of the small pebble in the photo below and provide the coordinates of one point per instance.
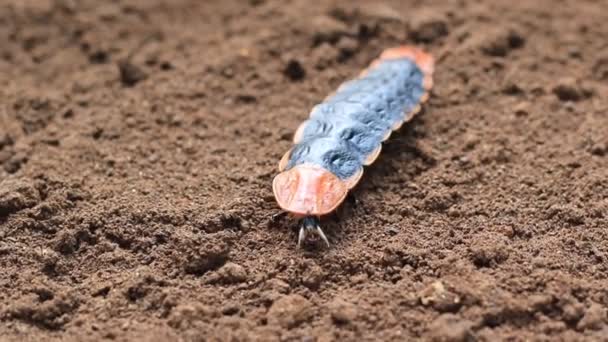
(439, 298)
(130, 74)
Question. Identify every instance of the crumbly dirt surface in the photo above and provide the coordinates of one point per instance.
(138, 141)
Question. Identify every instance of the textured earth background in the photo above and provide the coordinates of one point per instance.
(138, 141)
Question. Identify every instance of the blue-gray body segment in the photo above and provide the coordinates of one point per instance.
(350, 125)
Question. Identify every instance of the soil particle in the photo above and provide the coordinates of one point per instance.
(341, 311)
(484, 253)
(231, 309)
(294, 70)
(130, 74)
(325, 55)
(379, 11)
(313, 277)
(208, 257)
(451, 328)
(186, 316)
(426, 27)
(569, 213)
(5, 140)
(326, 29)
(66, 242)
(500, 41)
(347, 47)
(570, 89)
(44, 309)
(17, 194)
(290, 311)
(594, 318)
(230, 273)
(49, 259)
(573, 312)
(599, 149)
(600, 68)
(141, 285)
(277, 285)
(522, 109)
(438, 297)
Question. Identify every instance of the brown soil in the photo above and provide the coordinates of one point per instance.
(138, 141)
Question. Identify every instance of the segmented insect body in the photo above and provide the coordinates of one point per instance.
(346, 131)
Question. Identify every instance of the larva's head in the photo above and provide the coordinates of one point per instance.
(308, 190)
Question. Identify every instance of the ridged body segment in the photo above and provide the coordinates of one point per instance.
(344, 130)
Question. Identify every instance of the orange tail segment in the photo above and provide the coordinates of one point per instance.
(425, 61)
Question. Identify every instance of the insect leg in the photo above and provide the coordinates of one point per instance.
(278, 216)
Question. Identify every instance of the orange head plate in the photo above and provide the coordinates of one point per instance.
(309, 190)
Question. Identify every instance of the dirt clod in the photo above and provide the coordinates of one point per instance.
(290, 311)
(66, 242)
(569, 89)
(327, 29)
(499, 42)
(189, 315)
(599, 149)
(206, 258)
(231, 273)
(486, 251)
(379, 11)
(451, 328)
(51, 313)
(428, 26)
(17, 194)
(342, 312)
(313, 277)
(595, 317)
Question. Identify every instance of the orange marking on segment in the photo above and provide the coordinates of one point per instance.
(353, 180)
(373, 156)
(284, 160)
(427, 83)
(425, 61)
